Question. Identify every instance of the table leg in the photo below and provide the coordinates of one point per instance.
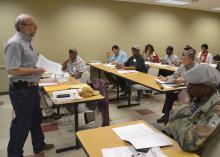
(129, 98)
(77, 146)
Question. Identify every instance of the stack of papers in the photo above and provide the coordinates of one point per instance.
(47, 82)
(141, 136)
(131, 152)
(110, 65)
(126, 71)
(49, 66)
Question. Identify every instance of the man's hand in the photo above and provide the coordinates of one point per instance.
(161, 78)
(120, 66)
(179, 80)
(39, 71)
(114, 63)
(108, 53)
(64, 64)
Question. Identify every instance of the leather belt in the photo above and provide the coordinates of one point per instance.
(22, 84)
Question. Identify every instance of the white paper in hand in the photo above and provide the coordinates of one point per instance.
(48, 65)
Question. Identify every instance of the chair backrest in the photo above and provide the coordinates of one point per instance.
(85, 77)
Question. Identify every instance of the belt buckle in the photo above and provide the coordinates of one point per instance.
(31, 84)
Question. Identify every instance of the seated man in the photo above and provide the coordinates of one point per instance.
(74, 65)
(135, 62)
(169, 59)
(118, 57)
(194, 124)
(187, 60)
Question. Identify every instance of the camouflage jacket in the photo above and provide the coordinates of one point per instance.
(191, 130)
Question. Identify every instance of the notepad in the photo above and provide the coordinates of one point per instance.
(126, 71)
(141, 136)
(168, 84)
(56, 88)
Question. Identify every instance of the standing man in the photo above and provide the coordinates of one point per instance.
(20, 61)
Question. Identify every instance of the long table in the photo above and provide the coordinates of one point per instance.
(94, 140)
(74, 103)
(144, 79)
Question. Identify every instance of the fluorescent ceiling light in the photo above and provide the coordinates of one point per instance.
(218, 8)
(174, 2)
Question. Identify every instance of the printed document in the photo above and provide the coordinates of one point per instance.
(48, 65)
(141, 136)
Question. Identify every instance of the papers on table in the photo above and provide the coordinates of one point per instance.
(47, 84)
(126, 71)
(48, 65)
(78, 86)
(141, 136)
(65, 95)
(131, 152)
(110, 65)
(168, 84)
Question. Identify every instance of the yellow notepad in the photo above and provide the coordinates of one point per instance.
(56, 88)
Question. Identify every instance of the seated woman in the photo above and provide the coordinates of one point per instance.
(150, 55)
(198, 121)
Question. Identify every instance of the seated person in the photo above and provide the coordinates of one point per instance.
(195, 123)
(118, 57)
(204, 56)
(135, 62)
(187, 60)
(150, 55)
(74, 65)
(169, 59)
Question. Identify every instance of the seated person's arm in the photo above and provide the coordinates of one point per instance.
(179, 80)
(108, 56)
(77, 75)
(130, 68)
(161, 78)
(64, 64)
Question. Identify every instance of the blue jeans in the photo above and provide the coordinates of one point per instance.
(28, 117)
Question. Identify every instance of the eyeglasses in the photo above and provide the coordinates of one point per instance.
(31, 24)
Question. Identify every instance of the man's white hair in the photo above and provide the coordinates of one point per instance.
(20, 20)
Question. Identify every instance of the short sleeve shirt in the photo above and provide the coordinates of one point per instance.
(20, 53)
(76, 66)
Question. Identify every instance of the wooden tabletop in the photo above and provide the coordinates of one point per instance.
(159, 66)
(73, 81)
(144, 79)
(94, 140)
